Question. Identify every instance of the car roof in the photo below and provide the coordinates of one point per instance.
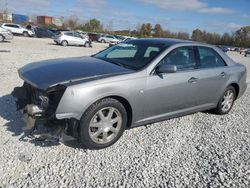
(9, 24)
(164, 41)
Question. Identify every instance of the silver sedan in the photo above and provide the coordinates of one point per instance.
(131, 84)
(5, 34)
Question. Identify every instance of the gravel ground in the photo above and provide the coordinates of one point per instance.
(200, 150)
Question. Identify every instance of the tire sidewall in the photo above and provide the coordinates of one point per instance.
(84, 137)
(25, 34)
(1, 38)
(219, 107)
(64, 43)
(87, 45)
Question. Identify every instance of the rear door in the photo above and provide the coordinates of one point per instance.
(70, 38)
(172, 92)
(78, 38)
(19, 29)
(212, 76)
(10, 28)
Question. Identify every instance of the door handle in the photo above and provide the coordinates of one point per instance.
(223, 74)
(192, 80)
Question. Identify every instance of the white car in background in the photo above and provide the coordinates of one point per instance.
(5, 34)
(108, 39)
(66, 38)
(18, 29)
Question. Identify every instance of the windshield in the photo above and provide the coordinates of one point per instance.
(131, 54)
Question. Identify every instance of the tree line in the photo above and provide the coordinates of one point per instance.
(240, 38)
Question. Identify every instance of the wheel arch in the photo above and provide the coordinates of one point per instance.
(236, 87)
(2, 36)
(126, 105)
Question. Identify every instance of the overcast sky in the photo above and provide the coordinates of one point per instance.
(176, 15)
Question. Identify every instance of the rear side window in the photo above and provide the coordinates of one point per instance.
(152, 51)
(8, 25)
(78, 35)
(69, 34)
(183, 58)
(209, 58)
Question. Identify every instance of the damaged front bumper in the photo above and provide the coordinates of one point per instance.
(36, 105)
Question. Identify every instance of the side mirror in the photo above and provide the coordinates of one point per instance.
(164, 68)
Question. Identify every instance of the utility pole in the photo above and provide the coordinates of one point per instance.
(6, 12)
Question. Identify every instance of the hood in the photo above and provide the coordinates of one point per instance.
(49, 73)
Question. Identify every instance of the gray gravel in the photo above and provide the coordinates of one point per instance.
(200, 150)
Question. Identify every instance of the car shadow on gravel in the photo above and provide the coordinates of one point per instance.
(15, 124)
(8, 113)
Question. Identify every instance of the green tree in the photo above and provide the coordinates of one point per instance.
(145, 30)
(72, 22)
(158, 31)
(197, 35)
(183, 35)
(93, 25)
(242, 37)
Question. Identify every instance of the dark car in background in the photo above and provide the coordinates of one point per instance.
(223, 48)
(43, 33)
(94, 36)
(247, 53)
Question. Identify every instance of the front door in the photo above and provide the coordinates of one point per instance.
(172, 92)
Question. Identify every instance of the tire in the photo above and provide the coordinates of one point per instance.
(87, 45)
(25, 34)
(105, 117)
(103, 41)
(64, 43)
(1, 38)
(229, 95)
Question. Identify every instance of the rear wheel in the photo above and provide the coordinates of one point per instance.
(103, 124)
(87, 45)
(64, 43)
(1, 38)
(226, 102)
(25, 34)
(103, 41)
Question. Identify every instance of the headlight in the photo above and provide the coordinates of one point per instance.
(44, 101)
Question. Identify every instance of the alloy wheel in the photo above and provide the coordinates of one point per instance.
(227, 101)
(105, 125)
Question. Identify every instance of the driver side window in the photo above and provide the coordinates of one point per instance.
(183, 58)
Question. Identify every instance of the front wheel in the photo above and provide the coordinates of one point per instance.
(1, 38)
(226, 102)
(25, 34)
(103, 124)
(64, 43)
(87, 45)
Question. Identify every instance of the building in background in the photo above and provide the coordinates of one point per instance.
(58, 21)
(19, 18)
(5, 18)
(1, 17)
(44, 20)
